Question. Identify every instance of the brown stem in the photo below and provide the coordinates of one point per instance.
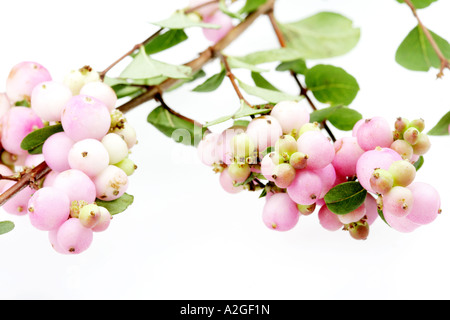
(232, 78)
(28, 178)
(136, 47)
(303, 90)
(203, 58)
(445, 63)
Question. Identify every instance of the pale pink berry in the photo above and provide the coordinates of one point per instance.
(128, 134)
(347, 155)
(291, 115)
(400, 224)
(207, 149)
(56, 151)
(306, 188)
(17, 123)
(104, 221)
(227, 183)
(18, 204)
(317, 147)
(353, 216)
(268, 166)
(329, 220)
(111, 183)
(375, 132)
(73, 238)
(48, 100)
(224, 147)
(264, 132)
(76, 185)
(52, 237)
(371, 209)
(102, 92)
(283, 175)
(356, 127)
(22, 79)
(403, 148)
(427, 203)
(239, 172)
(5, 104)
(328, 178)
(280, 213)
(85, 117)
(218, 18)
(48, 208)
(89, 156)
(5, 171)
(399, 201)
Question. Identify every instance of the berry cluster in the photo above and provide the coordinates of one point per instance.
(301, 165)
(88, 157)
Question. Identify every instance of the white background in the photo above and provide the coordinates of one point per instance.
(184, 237)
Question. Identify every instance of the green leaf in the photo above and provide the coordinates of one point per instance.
(241, 123)
(416, 53)
(223, 7)
(298, 66)
(145, 68)
(268, 95)
(212, 83)
(321, 36)
(6, 226)
(346, 197)
(116, 206)
(180, 20)
(34, 141)
(441, 128)
(344, 118)
(332, 85)
(165, 41)
(272, 55)
(252, 5)
(176, 127)
(261, 82)
(244, 111)
(419, 4)
(419, 163)
(240, 63)
(199, 74)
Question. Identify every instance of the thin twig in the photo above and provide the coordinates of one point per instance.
(445, 63)
(303, 90)
(232, 78)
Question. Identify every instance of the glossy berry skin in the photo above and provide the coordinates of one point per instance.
(264, 132)
(306, 188)
(22, 79)
(49, 98)
(76, 185)
(374, 132)
(111, 183)
(73, 238)
(280, 213)
(84, 117)
(102, 92)
(89, 156)
(56, 151)
(427, 203)
(347, 154)
(317, 147)
(328, 220)
(291, 115)
(399, 201)
(48, 208)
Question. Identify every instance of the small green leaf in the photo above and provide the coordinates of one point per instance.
(344, 118)
(416, 53)
(321, 36)
(6, 226)
(261, 82)
(176, 127)
(244, 111)
(381, 215)
(272, 55)
(239, 63)
(144, 67)
(252, 5)
(263, 193)
(116, 206)
(419, 4)
(298, 66)
(345, 197)
(441, 128)
(199, 74)
(419, 163)
(180, 20)
(212, 83)
(165, 41)
(332, 85)
(223, 7)
(241, 123)
(34, 141)
(268, 95)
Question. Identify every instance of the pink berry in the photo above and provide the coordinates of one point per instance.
(318, 148)
(306, 188)
(102, 92)
(291, 115)
(427, 203)
(400, 224)
(19, 203)
(89, 156)
(218, 18)
(328, 177)
(280, 213)
(399, 201)
(49, 98)
(353, 216)
(23, 78)
(329, 220)
(207, 149)
(111, 183)
(371, 209)
(84, 117)
(227, 183)
(73, 238)
(48, 208)
(56, 151)
(5, 104)
(264, 132)
(52, 237)
(373, 133)
(104, 221)
(347, 155)
(268, 166)
(76, 185)
(283, 175)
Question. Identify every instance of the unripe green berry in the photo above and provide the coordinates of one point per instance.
(242, 146)
(411, 135)
(306, 210)
(315, 126)
(359, 230)
(298, 160)
(381, 181)
(239, 172)
(403, 148)
(422, 145)
(403, 172)
(419, 124)
(127, 165)
(283, 175)
(90, 215)
(401, 124)
(286, 146)
(75, 208)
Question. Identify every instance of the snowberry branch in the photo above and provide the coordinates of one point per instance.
(232, 78)
(303, 90)
(445, 63)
